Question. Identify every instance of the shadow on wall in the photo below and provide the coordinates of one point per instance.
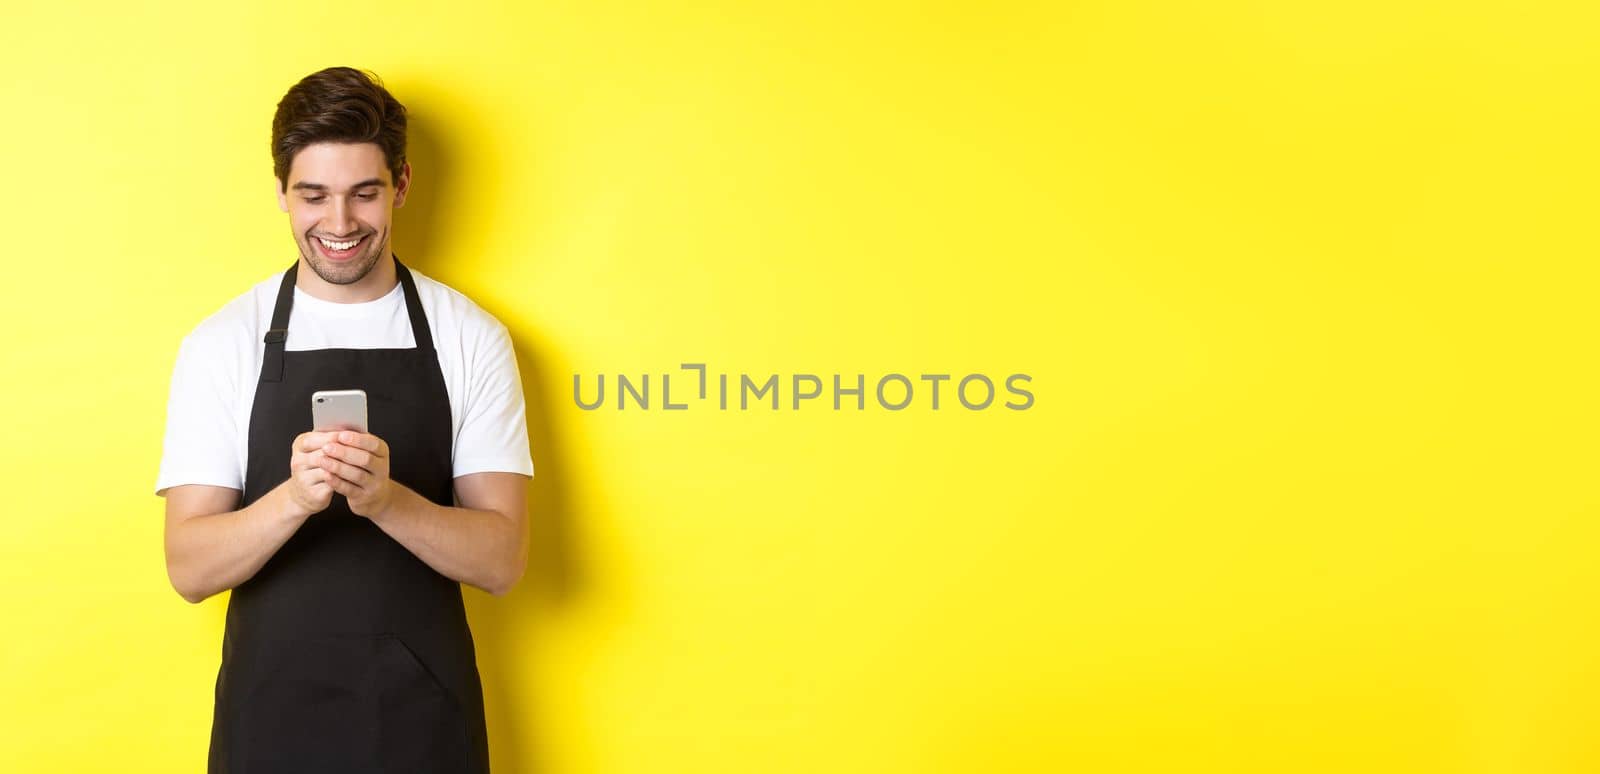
(507, 629)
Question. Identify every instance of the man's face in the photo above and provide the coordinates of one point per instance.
(341, 201)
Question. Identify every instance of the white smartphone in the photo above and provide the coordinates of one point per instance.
(339, 410)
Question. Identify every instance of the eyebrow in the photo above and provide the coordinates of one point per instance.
(304, 186)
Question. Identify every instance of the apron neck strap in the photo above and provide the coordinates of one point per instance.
(272, 364)
(278, 333)
(419, 319)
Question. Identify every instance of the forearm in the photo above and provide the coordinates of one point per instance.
(479, 547)
(212, 553)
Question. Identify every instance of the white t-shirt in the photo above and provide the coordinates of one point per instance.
(219, 363)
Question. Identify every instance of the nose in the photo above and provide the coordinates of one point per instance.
(340, 222)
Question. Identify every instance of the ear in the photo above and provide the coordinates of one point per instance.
(403, 185)
(283, 198)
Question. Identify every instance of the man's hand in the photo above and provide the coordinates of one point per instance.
(357, 465)
(309, 487)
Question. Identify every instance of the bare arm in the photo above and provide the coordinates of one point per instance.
(210, 547)
(484, 542)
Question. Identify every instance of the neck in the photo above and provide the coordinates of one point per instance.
(372, 287)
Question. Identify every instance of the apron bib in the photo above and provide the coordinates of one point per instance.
(345, 652)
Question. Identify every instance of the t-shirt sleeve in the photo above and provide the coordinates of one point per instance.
(200, 446)
(494, 426)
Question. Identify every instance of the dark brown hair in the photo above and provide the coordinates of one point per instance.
(339, 104)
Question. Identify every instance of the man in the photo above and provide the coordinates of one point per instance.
(346, 646)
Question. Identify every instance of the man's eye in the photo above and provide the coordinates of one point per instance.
(367, 197)
(313, 199)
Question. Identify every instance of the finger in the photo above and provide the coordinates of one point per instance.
(310, 442)
(360, 458)
(347, 472)
(366, 441)
(344, 487)
(312, 489)
(311, 478)
(307, 461)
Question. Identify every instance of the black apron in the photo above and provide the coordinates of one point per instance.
(345, 652)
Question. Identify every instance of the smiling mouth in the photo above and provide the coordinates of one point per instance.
(340, 249)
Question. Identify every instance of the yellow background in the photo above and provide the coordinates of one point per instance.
(1307, 293)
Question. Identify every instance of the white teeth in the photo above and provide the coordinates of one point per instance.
(337, 245)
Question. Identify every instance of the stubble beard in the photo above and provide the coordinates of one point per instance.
(347, 272)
